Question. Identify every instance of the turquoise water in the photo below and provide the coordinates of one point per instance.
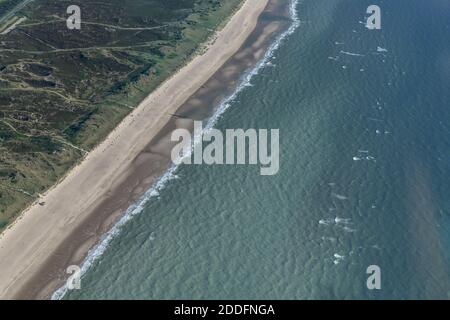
(364, 175)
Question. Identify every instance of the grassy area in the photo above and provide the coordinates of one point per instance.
(62, 91)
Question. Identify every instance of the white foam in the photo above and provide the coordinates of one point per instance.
(352, 54)
(338, 256)
(325, 221)
(367, 158)
(339, 196)
(338, 220)
(137, 208)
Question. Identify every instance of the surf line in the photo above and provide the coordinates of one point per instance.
(153, 192)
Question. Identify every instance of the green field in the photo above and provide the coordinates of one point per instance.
(62, 91)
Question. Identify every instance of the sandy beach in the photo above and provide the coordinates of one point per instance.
(46, 239)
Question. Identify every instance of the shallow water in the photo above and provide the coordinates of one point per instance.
(364, 175)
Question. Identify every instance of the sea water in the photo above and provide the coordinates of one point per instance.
(364, 121)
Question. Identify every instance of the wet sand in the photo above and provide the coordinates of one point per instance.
(33, 266)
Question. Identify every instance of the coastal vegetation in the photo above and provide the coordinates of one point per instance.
(62, 91)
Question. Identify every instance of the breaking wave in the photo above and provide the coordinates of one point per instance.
(170, 174)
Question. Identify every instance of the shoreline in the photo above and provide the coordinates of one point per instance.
(117, 172)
